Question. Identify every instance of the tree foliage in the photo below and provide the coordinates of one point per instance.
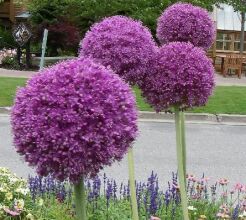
(83, 13)
(86, 12)
(207, 4)
(238, 5)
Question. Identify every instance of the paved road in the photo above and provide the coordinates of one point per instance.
(216, 150)
(16, 73)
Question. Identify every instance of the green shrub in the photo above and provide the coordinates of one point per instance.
(84, 13)
(6, 38)
(10, 62)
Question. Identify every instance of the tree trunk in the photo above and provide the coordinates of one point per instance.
(242, 33)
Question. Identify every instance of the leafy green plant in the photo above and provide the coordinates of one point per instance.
(53, 15)
(6, 38)
(48, 199)
(15, 198)
(85, 13)
(10, 62)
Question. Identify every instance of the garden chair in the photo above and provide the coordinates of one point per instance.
(233, 62)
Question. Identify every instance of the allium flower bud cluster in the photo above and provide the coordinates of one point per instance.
(186, 23)
(73, 118)
(182, 75)
(121, 43)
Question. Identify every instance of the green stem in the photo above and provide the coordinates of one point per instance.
(132, 185)
(183, 139)
(80, 200)
(183, 194)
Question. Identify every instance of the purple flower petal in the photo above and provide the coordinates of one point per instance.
(121, 43)
(74, 118)
(182, 75)
(186, 23)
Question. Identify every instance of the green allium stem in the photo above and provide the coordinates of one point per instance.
(132, 185)
(80, 200)
(183, 143)
(184, 202)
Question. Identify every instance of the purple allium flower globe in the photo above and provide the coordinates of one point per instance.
(186, 23)
(121, 43)
(74, 118)
(182, 76)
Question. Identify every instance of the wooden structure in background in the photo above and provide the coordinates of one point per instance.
(235, 62)
(229, 41)
(226, 49)
(9, 9)
(228, 24)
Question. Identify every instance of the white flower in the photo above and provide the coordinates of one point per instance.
(19, 204)
(192, 208)
(4, 170)
(40, 202)
(9, 196)
(23, 191)
(242, 215)
(29, 216)
(2, 189)
(5, 174)
(13, 179)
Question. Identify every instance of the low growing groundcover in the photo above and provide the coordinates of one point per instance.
(225, 100)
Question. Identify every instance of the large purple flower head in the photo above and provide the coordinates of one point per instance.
(186, 23)
(121, 43)
(74, 118)
(182, 76)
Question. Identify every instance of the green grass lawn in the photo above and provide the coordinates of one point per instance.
(8, 88)
(226, 99)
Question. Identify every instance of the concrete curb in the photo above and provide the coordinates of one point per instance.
(169, 116)
(193, 117)
(5, 110)
(190, 117)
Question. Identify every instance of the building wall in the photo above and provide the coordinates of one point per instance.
(228, 24)
(8, 10)
(228, 41)
(227, 19)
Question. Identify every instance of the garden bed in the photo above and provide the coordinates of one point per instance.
(45, 198)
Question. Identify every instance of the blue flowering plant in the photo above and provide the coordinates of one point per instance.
(108, 199)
